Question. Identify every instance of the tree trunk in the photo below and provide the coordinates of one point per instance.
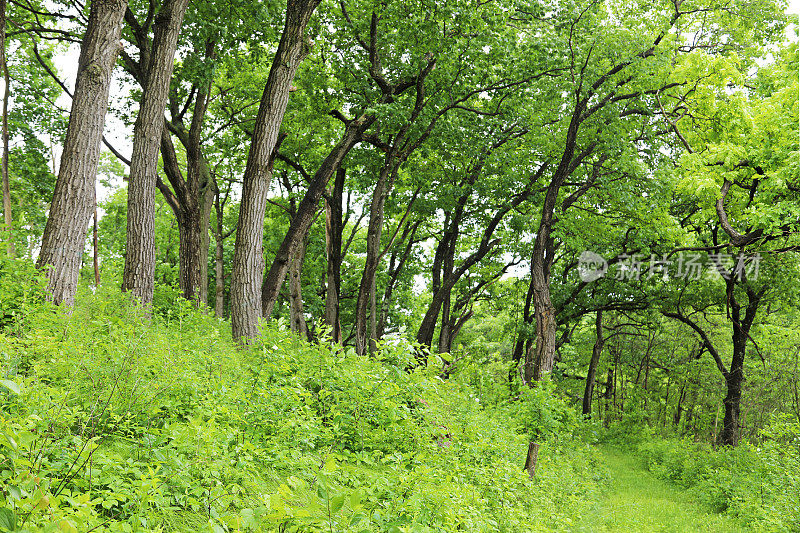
(448, 264)
(373, 316)
(200, 188)
(190, 243)
(531, 459)
(219, 281)
(305, 212)
(396, 265)
(138, 276)
(73, 198)
(445, 329)
(676, 419)
(597, 350)
(735, 376)
(666, 401)
(248, 259)
(297, 319)
(333, 247)
(544, 312)
(219, 257)
(191, 202)
(521, 346)
(730, 423)
(541, 361)
(428, 325)
(7, 218)
(193, 246)
(608, 392)
(372, 259)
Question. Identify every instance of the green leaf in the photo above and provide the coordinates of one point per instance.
(248, 517)
(10, 442)
(357, 518)
(355, 499)
(10, 385)
(336, 503)
(8, 520)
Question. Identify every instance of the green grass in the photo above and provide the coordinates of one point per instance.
(636, 501)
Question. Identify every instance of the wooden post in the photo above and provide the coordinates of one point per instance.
(532, 458)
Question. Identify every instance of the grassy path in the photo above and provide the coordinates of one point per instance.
(637, 501)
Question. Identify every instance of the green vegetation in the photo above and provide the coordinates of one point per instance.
(113, 421)
(118, 422)
(636, 501)
(501, 266)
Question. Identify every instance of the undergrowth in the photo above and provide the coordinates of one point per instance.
(115, 421)
(758, 484)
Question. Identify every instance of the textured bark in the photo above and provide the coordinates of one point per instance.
(191, 202)
(193, 223)
(305, 211)
(333, 246)
(190, 199)
(219, 275)
(543, 357)
(597, 350)
(366, 287)
(73, 198)
(196, 204)
(140, 256)
(531, 459)
(445, 330)
(248, 259)
(297, 318)
(7, 218)
(735, 376)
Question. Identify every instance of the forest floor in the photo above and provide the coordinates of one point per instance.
(637, 501)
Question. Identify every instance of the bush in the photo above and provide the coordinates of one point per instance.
(760, 485)
(122, 422)
(21, 291)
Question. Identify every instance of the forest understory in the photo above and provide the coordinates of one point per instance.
(399, 266)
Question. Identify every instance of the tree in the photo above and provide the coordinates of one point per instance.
(753, 224)
(248, 258)
(73, 198)
(7, 217)
(614, 75)
(139, 274)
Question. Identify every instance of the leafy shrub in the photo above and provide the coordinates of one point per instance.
(21, 291)
(759, 485)
(541, 414)
(123, 422)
